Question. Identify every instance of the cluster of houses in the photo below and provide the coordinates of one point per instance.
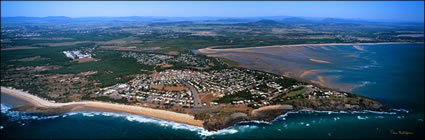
(147, 58)
(27, 35)
(140, 90)
(76, 54)
(216, 81)
(191, 60)
(80, 53)
(220, 82)
(154, 59)
(319, 93)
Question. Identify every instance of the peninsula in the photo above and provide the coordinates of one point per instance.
(262, 102)
(152, 68)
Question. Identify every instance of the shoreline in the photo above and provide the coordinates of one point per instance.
(223, 52)
(211, 48)
(37, 102)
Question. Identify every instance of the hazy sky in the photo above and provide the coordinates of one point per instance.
(409, 11)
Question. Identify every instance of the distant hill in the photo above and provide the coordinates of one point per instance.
(266, 22)
(346, 21)
(235, 20)
(170, 23)
(295, 20)
(62, 19)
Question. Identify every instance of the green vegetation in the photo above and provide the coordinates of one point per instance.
(229, 62)
(51, 55)
(287, 82)
(291, 96)
(105, 99)
(111, 68)
(240, 95)
(26, 42)
(263, 87)
(300, 102)
(297, 91)
(46, 71)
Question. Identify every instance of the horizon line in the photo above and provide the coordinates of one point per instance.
(309, 18)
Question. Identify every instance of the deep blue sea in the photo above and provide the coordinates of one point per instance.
(394, 74)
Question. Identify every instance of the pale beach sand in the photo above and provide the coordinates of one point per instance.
(326, 81)
(320, 61)
(311, 72)
(212, 49)
(110, 107)
(358, 47)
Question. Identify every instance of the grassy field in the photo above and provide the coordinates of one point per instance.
(229, 62)
(296, 91)
(289, 97)
(241, 95)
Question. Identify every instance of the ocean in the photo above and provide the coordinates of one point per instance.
(391, 73)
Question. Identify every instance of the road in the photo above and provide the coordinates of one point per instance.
(195, 94)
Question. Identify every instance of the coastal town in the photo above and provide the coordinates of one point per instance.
(212, 70)
(210, 89)
(163, 66)
(190, 81)
(171, 87)
(158, 59)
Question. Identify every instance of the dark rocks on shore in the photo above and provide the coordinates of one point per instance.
(269, 113)
(228, 121)
(262, 114)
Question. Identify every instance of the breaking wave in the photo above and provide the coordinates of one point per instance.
(23, 118)
(392, 112)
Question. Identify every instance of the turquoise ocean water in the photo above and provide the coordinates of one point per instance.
(391, 73)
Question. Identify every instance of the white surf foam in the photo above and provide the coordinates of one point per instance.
(173, 125)
(364, 83)
(362, 118)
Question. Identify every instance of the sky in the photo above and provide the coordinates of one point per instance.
(389, 10)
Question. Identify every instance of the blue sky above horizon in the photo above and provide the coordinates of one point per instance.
(370, 10)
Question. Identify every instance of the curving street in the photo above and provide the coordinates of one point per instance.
(195, 94)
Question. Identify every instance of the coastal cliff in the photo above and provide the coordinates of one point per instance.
(269, 113)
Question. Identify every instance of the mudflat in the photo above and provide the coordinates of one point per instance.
(308, 62)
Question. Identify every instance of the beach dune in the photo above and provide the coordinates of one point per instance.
(38, 104)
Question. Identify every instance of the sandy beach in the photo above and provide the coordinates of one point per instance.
(103, 106)
(212, 49)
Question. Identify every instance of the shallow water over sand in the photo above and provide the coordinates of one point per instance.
(380, 71)
(390, 73)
